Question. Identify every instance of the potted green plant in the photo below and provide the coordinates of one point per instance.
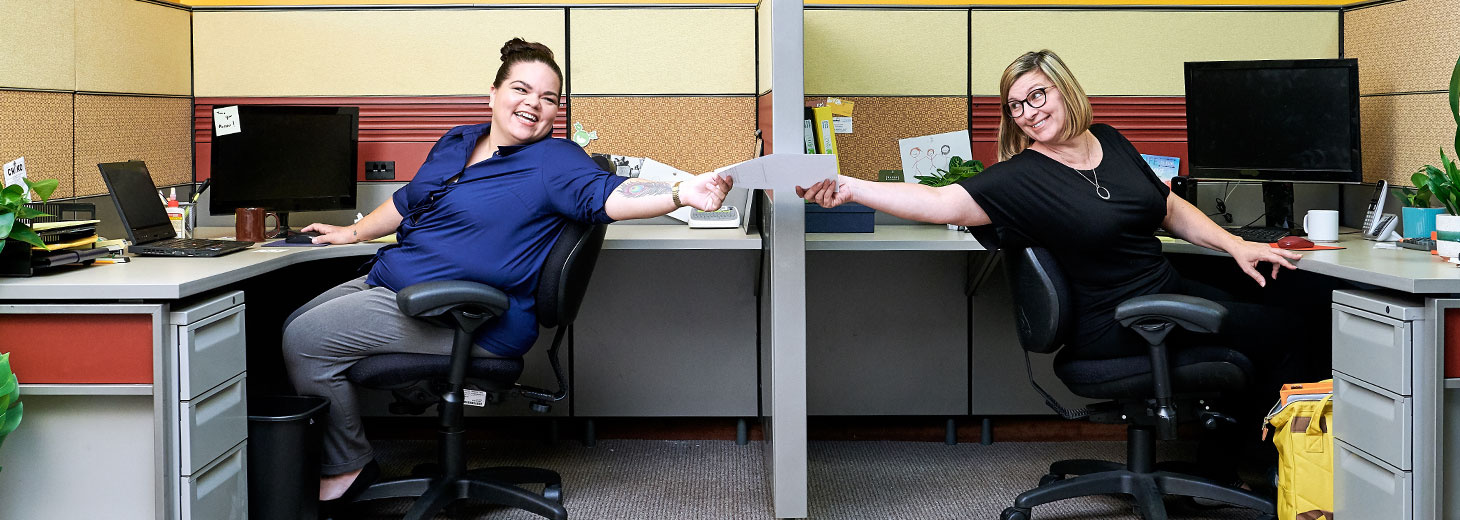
(1418, 216)
(10, 407)
(15, 226)
(957, 171)
(1443, 181)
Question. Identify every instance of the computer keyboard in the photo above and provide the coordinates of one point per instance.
(1422, 244)
(1259, 234)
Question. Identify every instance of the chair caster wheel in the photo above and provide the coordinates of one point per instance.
(553, 492)
(1015, 513)
(1050, 478)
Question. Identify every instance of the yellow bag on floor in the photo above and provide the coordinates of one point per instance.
(1302, 423)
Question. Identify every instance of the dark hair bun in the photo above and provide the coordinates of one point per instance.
(518, 46)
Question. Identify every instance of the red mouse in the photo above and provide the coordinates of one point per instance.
(1292, 242)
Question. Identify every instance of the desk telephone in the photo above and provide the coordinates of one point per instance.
(1378, 225)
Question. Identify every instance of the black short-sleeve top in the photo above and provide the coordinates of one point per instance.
(1107, 248)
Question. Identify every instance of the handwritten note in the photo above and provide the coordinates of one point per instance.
(225, 121)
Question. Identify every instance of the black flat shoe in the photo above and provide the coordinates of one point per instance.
(335, 509)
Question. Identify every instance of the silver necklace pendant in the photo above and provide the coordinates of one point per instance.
(1102, 192)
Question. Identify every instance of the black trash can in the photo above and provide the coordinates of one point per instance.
(284, 442)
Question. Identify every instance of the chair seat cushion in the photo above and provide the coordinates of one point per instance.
(397, 370)
(1193, 370)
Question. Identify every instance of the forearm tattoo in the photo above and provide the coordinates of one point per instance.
(636, 188)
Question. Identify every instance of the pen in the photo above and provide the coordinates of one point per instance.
(121, 260)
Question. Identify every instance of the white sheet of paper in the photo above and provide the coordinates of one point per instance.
(15, 173)
(781, 171)
(645, 168)
(225, 121)
(927, 154)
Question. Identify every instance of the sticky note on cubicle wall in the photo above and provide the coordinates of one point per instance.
(225, 121)
(1165, 167)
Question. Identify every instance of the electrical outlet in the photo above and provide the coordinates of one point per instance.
(379, 170)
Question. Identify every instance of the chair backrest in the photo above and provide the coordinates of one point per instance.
(1042, 308)
(565, 272)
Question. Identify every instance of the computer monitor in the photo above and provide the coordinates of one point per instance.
(1277, 121)
(287, 158)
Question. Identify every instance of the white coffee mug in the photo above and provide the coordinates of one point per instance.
(1321, 225)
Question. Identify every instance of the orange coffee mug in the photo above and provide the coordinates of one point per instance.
(248, 224)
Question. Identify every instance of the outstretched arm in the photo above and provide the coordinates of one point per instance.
(1189, 223)
(946, 205)
(378, 223)
(642, 198)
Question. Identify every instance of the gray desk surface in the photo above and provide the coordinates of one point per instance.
(895, 237)
(1400, 269)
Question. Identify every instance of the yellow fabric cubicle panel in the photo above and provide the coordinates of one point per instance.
(887, 52)
(763, 50)
(694, 134)
(1139, 52)
(157, 130)
(639, 51)
(133, 47)
(1407, 46)
(879, 122)
(38, 44)
(361, 52)
(1402, 133)
(37, 126)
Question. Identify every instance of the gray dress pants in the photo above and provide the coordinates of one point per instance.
(329, 334)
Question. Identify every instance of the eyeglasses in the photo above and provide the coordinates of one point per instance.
(1036, 98)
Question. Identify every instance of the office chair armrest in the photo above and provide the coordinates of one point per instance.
(429, 299)
(1188, 312)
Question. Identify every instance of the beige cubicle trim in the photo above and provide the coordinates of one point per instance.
(157, 130)
(1137, 52)
(38, 45)
(1407, 46)
(30, 121)
(763, 47)
(1402, 133)
(327, 52)
(694, 134)
(877, 52)
(635, 51)
(132, 47)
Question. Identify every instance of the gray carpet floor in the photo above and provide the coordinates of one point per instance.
(653, 479)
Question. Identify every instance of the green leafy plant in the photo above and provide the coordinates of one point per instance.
(10, 406)
(1443, 181)
(1418, 197)
(957, 171)
(14, 212)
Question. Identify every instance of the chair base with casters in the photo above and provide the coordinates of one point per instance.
(1150, 393)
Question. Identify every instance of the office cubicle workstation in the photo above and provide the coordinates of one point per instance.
(797, 320)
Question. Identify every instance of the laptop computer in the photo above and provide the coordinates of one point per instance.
(145, 217)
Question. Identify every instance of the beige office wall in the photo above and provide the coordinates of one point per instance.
(1407, 46)
(132, 47)
(1131, 52)
(1402, 133)
(662, 51)
(157, 130)
(886, 52)
(694, 134)
(359, 52)
(38, 44)
(763, 45)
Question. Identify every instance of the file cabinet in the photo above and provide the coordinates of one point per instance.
(208, 366)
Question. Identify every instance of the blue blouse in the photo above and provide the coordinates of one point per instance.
(493, 226)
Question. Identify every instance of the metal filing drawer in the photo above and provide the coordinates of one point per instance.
(1365, 487)
(212, 424)
(1374, 420)
(1373, 348)
(210, 343)
(220, 491)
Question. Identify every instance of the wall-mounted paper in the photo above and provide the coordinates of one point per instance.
(1165, 167)
(225, 121)
(924, 156)
(15, 173)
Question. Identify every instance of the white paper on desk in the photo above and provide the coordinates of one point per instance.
(781, 171)
(225, 121)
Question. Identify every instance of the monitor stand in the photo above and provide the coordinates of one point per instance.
(1277, 203)
(284, 231)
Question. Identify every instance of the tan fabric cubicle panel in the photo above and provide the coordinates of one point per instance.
(640, 51)
(132, 47)
(1407, 46)
(37, 126)
(886, 52)
(38, 44)
(1138, 52)
(1402, 133)
(694, 134)
(361, 52)
(157, 130)
(879, 122)
(763, 51)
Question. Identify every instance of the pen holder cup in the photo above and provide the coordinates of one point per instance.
(190, 219)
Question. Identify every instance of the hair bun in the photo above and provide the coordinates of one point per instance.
(521, 46)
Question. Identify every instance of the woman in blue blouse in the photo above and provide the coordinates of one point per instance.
(486, 206)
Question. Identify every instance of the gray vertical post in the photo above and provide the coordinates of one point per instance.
(950, 433)
(986, 432)
(742, 432)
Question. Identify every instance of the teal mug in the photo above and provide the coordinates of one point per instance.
(1419, 222)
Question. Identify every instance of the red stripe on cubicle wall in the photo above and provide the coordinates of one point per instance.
(763, 121)
(79, 348)
(1155, 125)
(400, 129)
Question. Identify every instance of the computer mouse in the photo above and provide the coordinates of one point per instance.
(1292, 242)
(301, 238)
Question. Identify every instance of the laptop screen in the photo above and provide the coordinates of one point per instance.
(142, 212)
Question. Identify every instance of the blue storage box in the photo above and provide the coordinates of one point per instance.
(846, 218)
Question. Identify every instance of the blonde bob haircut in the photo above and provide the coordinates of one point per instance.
(1012, 139)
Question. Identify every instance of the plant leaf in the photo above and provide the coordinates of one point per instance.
(13, 195)
(29, 212)
(44, 188)
(7, 219)
(23, 233)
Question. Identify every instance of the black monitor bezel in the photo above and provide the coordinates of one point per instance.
(226, 206)
(1352, 175)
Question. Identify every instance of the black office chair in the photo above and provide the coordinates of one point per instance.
(466, 306)
(1149, 392)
